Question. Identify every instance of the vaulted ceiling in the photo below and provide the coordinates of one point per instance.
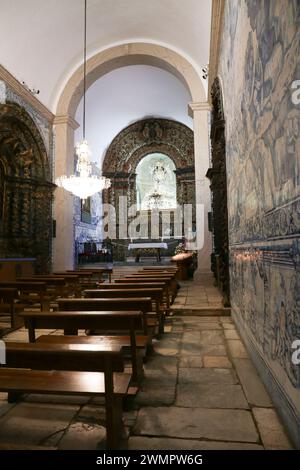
(41, 41)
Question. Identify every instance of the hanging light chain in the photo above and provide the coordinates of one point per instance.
(84, 68)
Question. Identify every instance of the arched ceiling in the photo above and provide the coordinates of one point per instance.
(41, 42)
(127, 95)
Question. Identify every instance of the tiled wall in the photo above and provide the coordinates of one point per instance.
(259, 61)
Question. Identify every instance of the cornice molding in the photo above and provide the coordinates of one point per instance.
(198, 106)
(66, 119)
(21, 91)
(216, 29)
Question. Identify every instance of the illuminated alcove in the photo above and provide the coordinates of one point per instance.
(156, 182)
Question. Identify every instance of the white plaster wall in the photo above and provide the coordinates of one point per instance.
(126, 95)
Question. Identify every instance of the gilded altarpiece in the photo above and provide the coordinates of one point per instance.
(217, 176)
(130, 146)
(26, 189)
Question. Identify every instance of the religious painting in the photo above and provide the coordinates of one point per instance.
(86, 211)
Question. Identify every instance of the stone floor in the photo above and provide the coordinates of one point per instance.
(200, 392)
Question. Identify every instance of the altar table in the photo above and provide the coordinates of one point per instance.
(141, 248)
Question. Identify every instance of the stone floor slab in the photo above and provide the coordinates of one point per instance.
(191, 361)
(167, 347)
(207, 376)
(214, 350)
(161, 363)
(231, 334)
(164, 443)
(34, 423)
(271, 430)
(253, 387)
(210, 396)
(153, 396)
(237, 349)
(212, 337)
(230, 425)
(217, 361)
(83, 436)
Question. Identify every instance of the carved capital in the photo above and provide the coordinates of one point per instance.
(198, 106)
(66, 119)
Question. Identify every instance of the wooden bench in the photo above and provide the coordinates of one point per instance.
(134, 351)
(56, 286)
(156, 294)
(8, 305)
(172, 283)
(98, 272)
(142, 304)
(31, 293)
(76, 281)
(141, 279)
(83, 274)
(71, 321)
(74, 374)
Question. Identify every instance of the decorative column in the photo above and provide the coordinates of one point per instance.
(200, 113)
(63, 246)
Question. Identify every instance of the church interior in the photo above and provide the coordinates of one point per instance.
(149, 225)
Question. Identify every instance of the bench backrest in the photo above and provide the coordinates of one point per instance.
(49, 280)
(133, 279)
(72, 321)
(139, 303)
(155, 294)
(81, 357)
(8, 294)
(32, 287)
(132, 285)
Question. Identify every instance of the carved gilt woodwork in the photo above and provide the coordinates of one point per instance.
(26, 189)
(131, 145)
(217, 176)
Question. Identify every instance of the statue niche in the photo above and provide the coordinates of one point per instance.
(26, 189)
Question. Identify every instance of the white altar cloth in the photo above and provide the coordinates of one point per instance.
(133, 246)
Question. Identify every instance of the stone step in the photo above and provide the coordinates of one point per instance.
(201, 311)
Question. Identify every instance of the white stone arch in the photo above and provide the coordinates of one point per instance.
(65, 124)
(123, 55)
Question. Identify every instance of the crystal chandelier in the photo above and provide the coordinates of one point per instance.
(83, 184)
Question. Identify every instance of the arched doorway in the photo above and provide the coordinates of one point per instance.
(26, 189)
(97, 66)
(218, 179)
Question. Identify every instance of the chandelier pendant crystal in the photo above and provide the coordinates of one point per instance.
(83, 184)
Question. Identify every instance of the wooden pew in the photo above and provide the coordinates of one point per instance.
(156, 294)
(137, 356)
(172, 283)
(74, 374)
(83, 274)
(78, 280)
(139, 303)
(8, 305)
(127, 321)
(30, 293)
(151, 280)
(98, 272)
(56, 286)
